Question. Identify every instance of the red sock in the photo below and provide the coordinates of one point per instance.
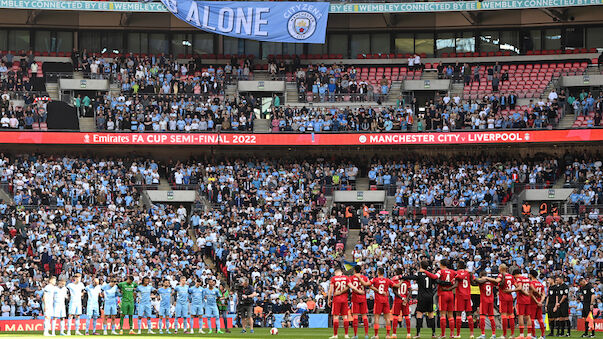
(346, 326)
(376, 328)
(532, 329)
(366, 326)
(335, 326)
(542, 327)
(482, 324)
(443, 325)
(471, 325)
(521, 330)
(504, 325)
(388, 329)
(355, 325)
(512, 325)
(395, 325)
(459, 321)
(451, 325)
(492, 324)
(407, 319)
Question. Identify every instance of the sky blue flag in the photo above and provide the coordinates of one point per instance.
(297, 22)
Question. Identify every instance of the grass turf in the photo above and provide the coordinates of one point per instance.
(263, 333)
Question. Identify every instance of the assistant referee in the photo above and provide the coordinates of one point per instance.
(587, 292)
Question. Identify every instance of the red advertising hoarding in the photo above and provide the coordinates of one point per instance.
(300, 139)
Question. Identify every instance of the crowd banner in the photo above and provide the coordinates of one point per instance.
(301, 139)
(296, 22)
(334, 8)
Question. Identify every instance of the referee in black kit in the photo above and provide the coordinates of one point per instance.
(587, 292)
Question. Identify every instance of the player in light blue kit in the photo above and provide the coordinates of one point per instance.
(144, 304)
(110, 291)
(197, 305)
(75, 303)
(211, 295)
(92, 308)
(181, 304)
(165, 305)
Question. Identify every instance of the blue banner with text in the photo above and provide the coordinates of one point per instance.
(297, 22)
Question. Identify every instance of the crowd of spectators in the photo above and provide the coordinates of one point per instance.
(144, 112)
(337, 82)
(479, 184)
(76, 181)
(269, 221)
(17, 71)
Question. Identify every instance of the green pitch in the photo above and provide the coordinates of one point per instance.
(263, 333)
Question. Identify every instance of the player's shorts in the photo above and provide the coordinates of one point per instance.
(246, 311)
(127, 308)
(585, 310)
(111, 309)
(446, 302)
(400, 308)
(340, 308)
(48, 310)
(381, 308)
(145, 311)
(75, 308)
(550, 312)
(59, 312)
(563, 310)
(425, 305)
(486, 308)
(197, 309)
(505, 307)
(523, 309)
(359, 308)
(164, 311)
(211, 311)
(463, 304)
(535, 312)
(181, 311)
(92, 312)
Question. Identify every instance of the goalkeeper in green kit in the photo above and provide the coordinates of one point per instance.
(128, 290)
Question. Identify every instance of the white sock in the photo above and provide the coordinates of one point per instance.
(53, 326)
(46, 324)
(62, 322)
(77, 323)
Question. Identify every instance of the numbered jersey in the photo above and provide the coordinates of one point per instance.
(464, 288)
(539, 291)
(523, 296)
(507, 282)
(447, 276)
(354, 281)
(403, 292)
(339, 283)
(486, 293)
(382, 285)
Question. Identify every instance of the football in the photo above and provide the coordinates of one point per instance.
(274, 331)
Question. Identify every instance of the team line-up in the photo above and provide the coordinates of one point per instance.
(203, 301)
(454, 295)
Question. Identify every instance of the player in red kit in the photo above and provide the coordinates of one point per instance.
(463, 297)
(357, 284)
(381, 286)
(445, 296)
(524, 300)
(338, 300)
(537, 300)
(486, 303)
(506, 284)
(401, 303)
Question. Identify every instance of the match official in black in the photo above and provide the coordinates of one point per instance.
(587, 293)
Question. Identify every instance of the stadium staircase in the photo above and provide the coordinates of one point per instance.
(362, 184)
(350, 243)
(261, 125)
(4, 196)
(87, 124)
(291, 93)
